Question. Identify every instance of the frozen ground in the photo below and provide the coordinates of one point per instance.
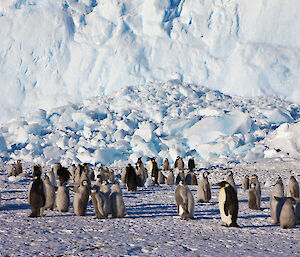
(152, 226)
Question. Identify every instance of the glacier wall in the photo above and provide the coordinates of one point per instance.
(54, 52)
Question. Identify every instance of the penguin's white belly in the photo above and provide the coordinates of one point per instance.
(181, 211)
(222, 199)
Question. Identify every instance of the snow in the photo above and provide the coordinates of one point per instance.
(81, 49)
(152, 225)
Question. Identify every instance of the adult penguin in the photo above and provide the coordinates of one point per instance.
(184, 201)
(130, 178)
(293, 188)
(230, 179)
(166, 164)
(36, 197)
(203, 190)
(141, 172)
(245, 184)
(228, 204)
(154, 171)
(180, 177)
(253, 198)
(179, 164)
(277, 200)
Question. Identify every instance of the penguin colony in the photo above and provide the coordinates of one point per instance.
(53, 191)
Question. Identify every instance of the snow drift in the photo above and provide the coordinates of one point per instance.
(62, 51)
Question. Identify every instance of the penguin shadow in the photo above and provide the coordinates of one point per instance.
(263, 199)
(206, 214)
(151, 210)
(255, 216)
(260, 226)
(15, 207)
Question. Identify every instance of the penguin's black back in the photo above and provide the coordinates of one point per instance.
(37, 196)
(131, 178)
(231, 206)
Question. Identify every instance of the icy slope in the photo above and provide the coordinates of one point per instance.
(60, 51)
(157, 119)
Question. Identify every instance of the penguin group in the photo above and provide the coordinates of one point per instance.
(101, 187)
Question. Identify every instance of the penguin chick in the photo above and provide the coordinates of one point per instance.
(62, 200)
(204, 192)
(185, 201)
(253, 198)
(170, 178)
(276, 205)
(50, 194)
(36, 193)
(98, 200)
(287, 215)
(245, 184)
(293, 188)
(81, 198)
(118, 209)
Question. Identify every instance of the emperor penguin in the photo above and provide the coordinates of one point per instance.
(98, 200)
(105, 190)
(52, 178)
(130, 178)
(111, 176)
(228, 204)
(170, 178)
(179, 164)
(50, 193)
(77, 176)
(230, 179)
(293, 188)
(246, 184)
(118, 209)
(72, 171)
(141, 172)
(180, 177)
(288, 217)
(253, 198)
(62, 200)
(55, 168)
(154, 171)
(161, 177)
(185, 201)
(89, 171)
(166, 164)
(191, 178)
(191, 164)
(203, 190)
(277, 200)
(254, 180)
(63, 174)
(81, 198)
(36, 193)
(16, 169)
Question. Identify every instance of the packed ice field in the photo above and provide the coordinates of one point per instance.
(152, 225)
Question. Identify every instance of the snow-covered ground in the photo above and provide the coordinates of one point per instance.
(152, 226)
(54, 52)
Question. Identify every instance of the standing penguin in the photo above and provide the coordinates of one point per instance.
(191, 178)
(253, 198)
(98, 200)
(230, 179)
(130, 178)
(62, 194)
(204, 193)
(52, 178)
(254, 180)
(118, 209)
(55, 168)
(141, 172)
(16, 169)
(288, 217)
(154, 171)
(277, 200)
(170, 178)
(180, 177)
(77, 175)
(161, 177)
(228, 204)
(293, 188)
(245, 184)
(50, 194)
(166, 164)
(185, 201)
(81, 198)
(36, 196)
(179, 164)
(191, 164)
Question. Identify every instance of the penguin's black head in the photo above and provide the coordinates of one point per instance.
(37, 171)
(223, 184)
